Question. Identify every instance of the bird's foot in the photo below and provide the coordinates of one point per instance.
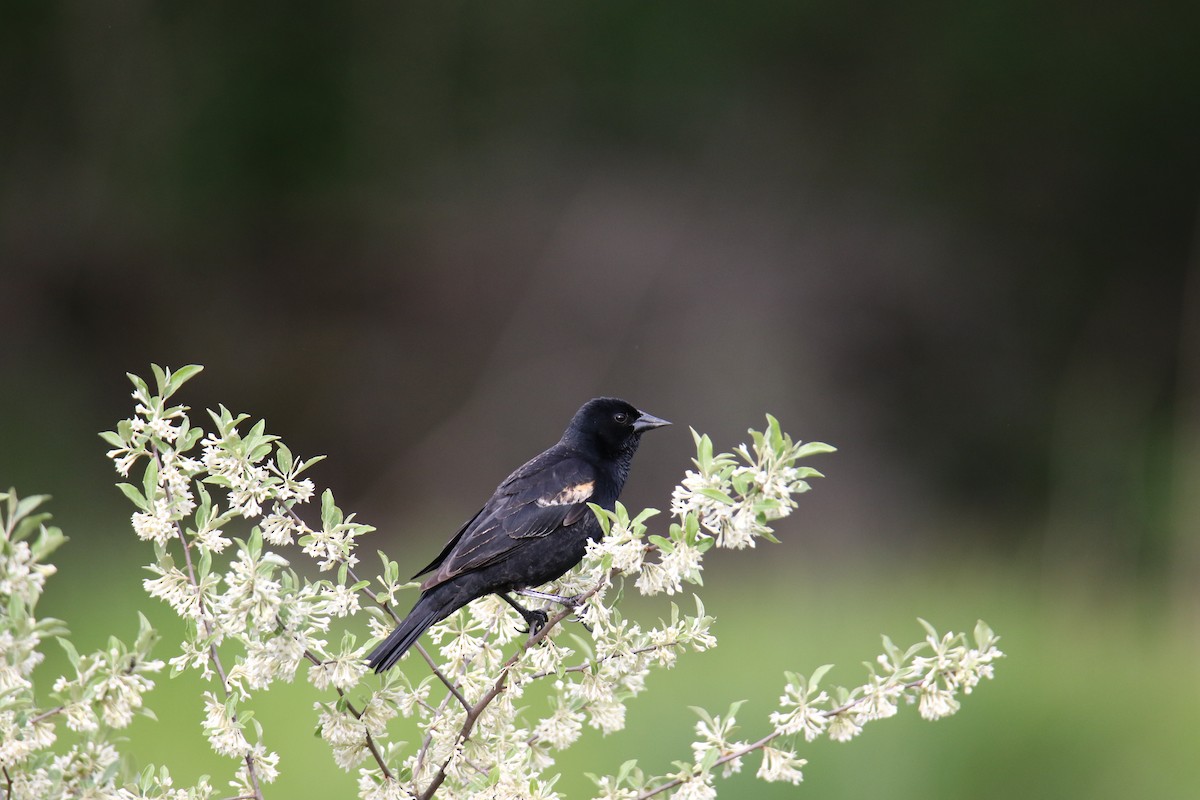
(570, 601)
(535, 620)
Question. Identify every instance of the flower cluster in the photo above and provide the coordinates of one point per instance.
(730, 500)
(104, 695)
(236, 592)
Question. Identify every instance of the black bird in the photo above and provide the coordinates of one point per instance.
(534, 528)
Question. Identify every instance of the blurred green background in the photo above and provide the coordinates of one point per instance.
(958, 241)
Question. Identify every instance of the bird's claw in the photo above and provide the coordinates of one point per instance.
(535, 620)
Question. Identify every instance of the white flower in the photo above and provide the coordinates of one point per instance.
(211, 538)
(607, 715)
(341, 601)
(342, 672)
(608, 789)
(278, 529)
(340, 729)
(879, 699)
(156, 527)
(124, 458)
(301, 491)
(687, 497)
(17, 743)
(698, 787)
(937, 702)
(331, 547)
(654, 579)
(561, 728)
(802, 716)
(266, 765)
(592, 688)
(81, 718)
(373, 787)
(843, 728)
(781, 765)
(120, 694)
(174, 587)
(21, 576)
(737, 531)
(223, 734)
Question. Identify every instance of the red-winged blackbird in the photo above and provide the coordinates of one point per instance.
(534, 528)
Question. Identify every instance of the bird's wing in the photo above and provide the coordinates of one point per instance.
(546, 494)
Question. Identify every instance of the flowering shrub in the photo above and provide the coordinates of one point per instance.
(250, 620)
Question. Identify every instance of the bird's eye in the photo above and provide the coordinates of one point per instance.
(621, 417)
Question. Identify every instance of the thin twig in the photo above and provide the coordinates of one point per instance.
(46, 714)
(357, 715)
(585, 666)
(453, 687)
(428, 740)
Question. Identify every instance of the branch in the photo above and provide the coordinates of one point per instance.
(761, 743)
(586, 665)
(499, 686)
(45, 715)
(357, 715)
(750, 748)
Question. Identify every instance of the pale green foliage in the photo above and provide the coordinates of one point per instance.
(197, 488)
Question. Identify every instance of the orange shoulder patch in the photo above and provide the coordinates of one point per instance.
(569, 496)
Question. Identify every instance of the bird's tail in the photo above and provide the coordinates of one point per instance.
(433, 607)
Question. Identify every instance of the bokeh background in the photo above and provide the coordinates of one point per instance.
(957, 240)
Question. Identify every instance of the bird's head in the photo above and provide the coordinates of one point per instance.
(610, 425)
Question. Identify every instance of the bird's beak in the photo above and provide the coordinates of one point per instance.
(646, 422)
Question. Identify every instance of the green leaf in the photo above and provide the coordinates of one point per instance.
(818, 674)
(984, 636)
(718, 495)
(303, 465)
(150, 480)
(774, 434)
(283, 458)
(182, 376)
(704, 451)
(889, 647)
(646, 513)
(69, 649)
(26, 527)
(603, 516)
(135, 497)
(27, 504)
(663, 544)
(703, 714)
(331, 516)
(139, 385)
(814, 449)
(160, 378)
